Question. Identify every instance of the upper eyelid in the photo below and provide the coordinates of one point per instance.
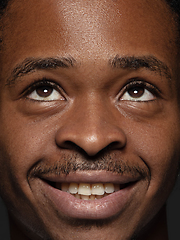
(40, 82)
(43, 83)
(133, 82)
(139, 82)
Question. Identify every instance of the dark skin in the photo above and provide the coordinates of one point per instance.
(93, 83)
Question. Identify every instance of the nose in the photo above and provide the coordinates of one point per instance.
(91, 130)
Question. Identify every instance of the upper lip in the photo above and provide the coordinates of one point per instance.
(72, 207)
(92, 177)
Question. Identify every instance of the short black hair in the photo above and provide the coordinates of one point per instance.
(3, 5)
(175, 6)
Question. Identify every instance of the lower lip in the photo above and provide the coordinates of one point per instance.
(103, 208)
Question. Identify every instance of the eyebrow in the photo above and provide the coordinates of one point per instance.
(150, 63)
(30, 65)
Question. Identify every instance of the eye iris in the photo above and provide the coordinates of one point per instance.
(44, 91)
(136, 92)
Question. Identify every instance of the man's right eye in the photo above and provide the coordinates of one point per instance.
(44, 91)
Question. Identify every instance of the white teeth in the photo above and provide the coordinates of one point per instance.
(84, 189)
(88, 191)
(73, 188)
(97, 189)
(109, 187)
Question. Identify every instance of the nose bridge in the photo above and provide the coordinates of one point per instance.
(91, 126)
(93, 112)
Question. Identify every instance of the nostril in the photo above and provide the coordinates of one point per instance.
(72, 146)
(91, 146)
(92, 139)
(91, 153)
(114, 146)
(68, 145)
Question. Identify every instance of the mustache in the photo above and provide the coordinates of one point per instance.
(70, 163)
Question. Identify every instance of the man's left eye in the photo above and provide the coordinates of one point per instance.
(45, 93)
(138, 93)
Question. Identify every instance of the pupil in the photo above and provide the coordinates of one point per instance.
(44, 91)
(136, 92)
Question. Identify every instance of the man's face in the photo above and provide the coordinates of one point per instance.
(88, 94)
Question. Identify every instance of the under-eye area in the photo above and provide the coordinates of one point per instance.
(89, 191)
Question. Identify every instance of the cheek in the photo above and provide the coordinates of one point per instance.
(159, 148)
(21, 146)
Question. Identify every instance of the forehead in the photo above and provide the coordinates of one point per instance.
(87, 30)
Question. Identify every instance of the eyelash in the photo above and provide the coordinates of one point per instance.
(141, 83)
(133, 83)
(41, 83)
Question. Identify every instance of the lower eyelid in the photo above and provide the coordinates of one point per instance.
(43, 83)
(139, 84)
(52, 97)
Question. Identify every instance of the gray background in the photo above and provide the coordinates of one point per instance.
(173, 211)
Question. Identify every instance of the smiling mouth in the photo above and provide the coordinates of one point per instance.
(88, 195)
(89, 191)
